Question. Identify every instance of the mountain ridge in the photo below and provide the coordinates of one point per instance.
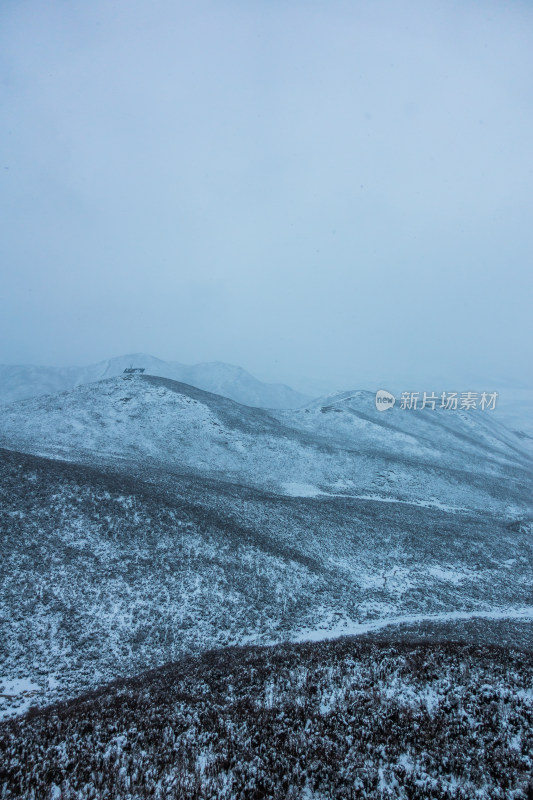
(21, 382)
(346, 447)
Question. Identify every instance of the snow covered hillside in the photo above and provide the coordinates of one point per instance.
(336, 446)
(123, 564)
(343, 719)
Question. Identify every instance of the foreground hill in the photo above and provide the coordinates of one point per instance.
(104, 573)
(341, 719)
(24, 381)
(337, 446)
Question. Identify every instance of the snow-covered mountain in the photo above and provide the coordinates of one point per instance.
(514, 406)
(22, 382)
(339, 445)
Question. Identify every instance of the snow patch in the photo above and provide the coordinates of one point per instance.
(301, 490)
(16, 695)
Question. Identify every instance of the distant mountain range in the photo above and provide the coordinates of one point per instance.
(22, 382)
(514, 405)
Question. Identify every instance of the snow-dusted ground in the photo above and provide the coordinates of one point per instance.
(16, 695)
(306, 490)
(359, 628)
(104, 574)
(322, 719)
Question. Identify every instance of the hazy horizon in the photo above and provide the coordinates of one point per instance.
(309, 192)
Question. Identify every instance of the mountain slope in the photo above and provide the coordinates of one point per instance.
(146, 518)
(335, 720)
(336, 446)
(105, 574)
(22, 382)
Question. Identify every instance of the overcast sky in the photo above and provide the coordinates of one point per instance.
(325, 189)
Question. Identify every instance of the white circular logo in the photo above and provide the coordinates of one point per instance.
(384, 400)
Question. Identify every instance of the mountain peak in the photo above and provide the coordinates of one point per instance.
(228, 380)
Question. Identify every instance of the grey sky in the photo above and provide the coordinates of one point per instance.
(324, 189)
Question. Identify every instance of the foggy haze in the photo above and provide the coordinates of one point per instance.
(309, 190)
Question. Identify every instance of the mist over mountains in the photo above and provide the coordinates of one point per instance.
(22, 382)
